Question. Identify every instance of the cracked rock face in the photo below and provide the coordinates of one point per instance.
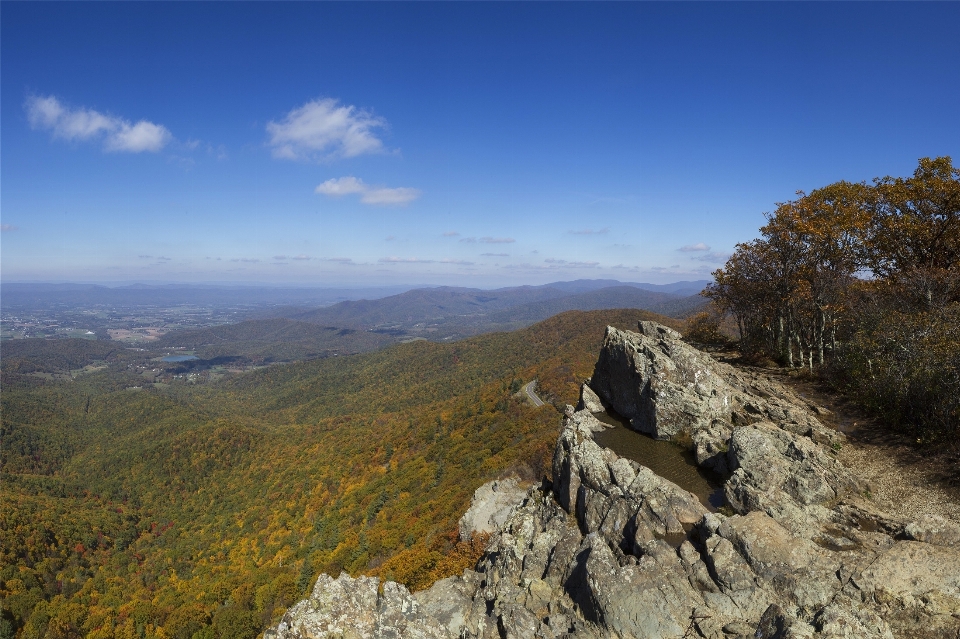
(610, 549)
(491, 506)
(665, 387)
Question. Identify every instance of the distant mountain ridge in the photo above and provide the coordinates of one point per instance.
(25, 295)
(271, 325)
(439, 314)
(452, 310)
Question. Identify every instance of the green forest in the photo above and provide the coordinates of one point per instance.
(204, 511)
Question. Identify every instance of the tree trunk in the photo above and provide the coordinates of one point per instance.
(820, 330)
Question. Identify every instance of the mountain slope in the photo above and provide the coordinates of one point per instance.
(214, 507)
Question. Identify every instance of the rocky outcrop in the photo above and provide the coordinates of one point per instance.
(355, 608)
(610, 549)
(589, 399)
(491, 505)
(667, 387)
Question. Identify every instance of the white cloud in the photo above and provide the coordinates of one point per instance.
(692, 248)
(497, 240)
(494, 255)
(324, 129)
(376, 195)
(116, 134)
(8, 228)
(338, 187)
(451, 234)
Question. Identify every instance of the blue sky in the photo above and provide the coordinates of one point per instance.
(470, 144)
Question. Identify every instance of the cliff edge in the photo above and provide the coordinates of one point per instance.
(610, 549)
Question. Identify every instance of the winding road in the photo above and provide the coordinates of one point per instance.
(528, 389)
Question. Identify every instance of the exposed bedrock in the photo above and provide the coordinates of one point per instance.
(664, 387)
(610, 549)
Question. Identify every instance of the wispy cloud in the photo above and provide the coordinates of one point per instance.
(300, 257)
(219, 152)
(8, 228)
(494, 255)
(247, 260)
(488, 240)
(383, 196)
(417, 260)
(404, 260)
(602, 231)
(324, 129)
(568, 264)
(82, 124)
(693, 248)
(451, 234)
(716, 256)
(376, 195)
(551, 265)
(339, 260)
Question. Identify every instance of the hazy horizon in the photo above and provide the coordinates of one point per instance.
(255, 284)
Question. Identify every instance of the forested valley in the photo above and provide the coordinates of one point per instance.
(199, 511)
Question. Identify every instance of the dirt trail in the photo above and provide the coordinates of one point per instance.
(907, 480)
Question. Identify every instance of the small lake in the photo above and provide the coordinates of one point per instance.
(179, 358)
(662, 457)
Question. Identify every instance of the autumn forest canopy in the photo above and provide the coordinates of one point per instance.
(861, 282)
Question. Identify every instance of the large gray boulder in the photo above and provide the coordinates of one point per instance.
(666, 387)
(589, 400)
(789, 477)
(347, 608)
(491, 505)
